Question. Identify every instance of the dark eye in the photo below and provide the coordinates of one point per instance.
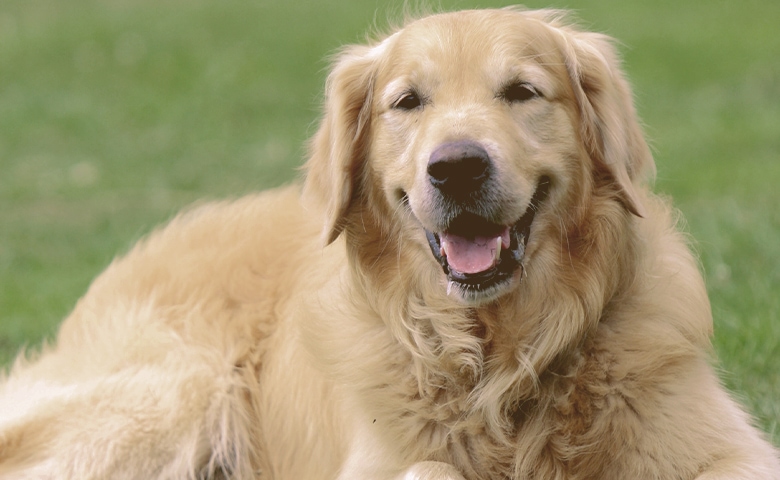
(409, 101)
(518, 92)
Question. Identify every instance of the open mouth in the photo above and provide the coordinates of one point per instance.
(478, 255)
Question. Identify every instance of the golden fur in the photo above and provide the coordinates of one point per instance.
(231, 344)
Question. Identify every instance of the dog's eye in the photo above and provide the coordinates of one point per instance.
(409, 101)
(518, 92)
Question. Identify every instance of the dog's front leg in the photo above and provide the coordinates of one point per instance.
(431, 471)
(418, 471)
(370, 459)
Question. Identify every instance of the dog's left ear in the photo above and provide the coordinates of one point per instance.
(338, 148)
(610, 126)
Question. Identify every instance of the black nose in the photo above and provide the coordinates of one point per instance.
(459, 168)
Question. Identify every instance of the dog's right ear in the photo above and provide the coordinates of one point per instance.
(338, 149)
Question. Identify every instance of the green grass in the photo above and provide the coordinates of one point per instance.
(114, 115)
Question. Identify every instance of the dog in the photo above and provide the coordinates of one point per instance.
(473, 281)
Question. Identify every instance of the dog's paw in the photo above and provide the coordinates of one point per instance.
(431, 471)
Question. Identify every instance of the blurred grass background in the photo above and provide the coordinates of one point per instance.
(115, 114)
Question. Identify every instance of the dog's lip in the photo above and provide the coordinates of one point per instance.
(487, 273)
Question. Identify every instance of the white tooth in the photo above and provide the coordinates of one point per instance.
(449, 287)
(498, 248)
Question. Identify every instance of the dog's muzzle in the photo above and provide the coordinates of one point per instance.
(478, 255)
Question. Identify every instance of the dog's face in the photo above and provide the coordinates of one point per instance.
(482, 126)
(469, 132)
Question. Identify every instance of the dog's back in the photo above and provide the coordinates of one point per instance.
(157, 363)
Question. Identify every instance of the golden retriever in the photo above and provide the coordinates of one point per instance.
(474, 282)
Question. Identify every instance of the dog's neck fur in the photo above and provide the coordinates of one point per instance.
(497, 389)
(485, 362)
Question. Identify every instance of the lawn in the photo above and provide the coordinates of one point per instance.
(114, 115)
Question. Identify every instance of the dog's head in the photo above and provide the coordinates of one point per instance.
(469, 132)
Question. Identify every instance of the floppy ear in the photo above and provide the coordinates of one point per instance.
(338, 148)
(610, 126)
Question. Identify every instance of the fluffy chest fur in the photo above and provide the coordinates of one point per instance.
(552, 383)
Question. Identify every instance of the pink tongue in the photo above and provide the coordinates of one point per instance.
(472, 255)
